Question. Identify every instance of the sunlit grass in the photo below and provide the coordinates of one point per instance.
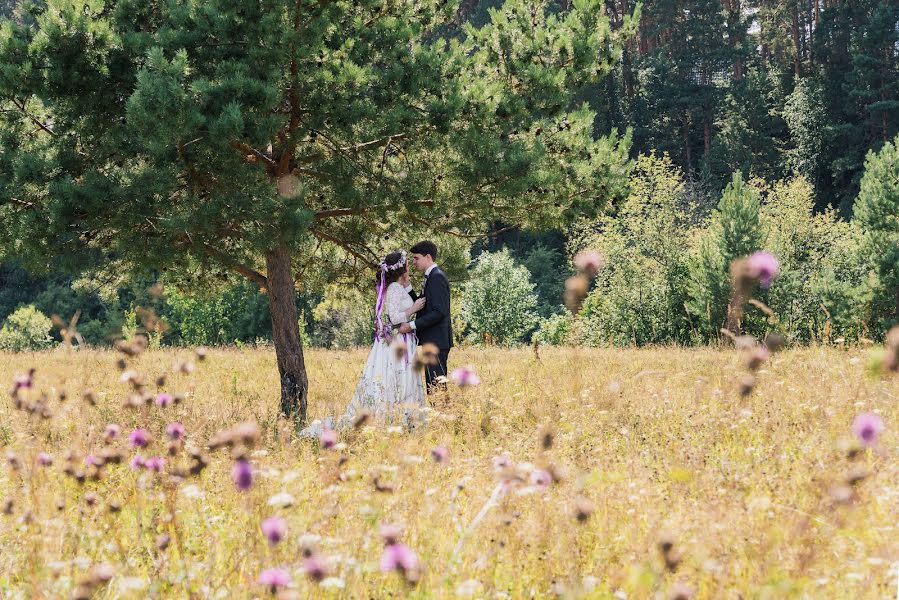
(652, 445)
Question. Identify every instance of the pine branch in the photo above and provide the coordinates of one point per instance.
(251, 274)
(22, 108)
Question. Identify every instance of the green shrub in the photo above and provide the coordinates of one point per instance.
(26, 328)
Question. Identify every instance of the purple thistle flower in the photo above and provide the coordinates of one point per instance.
(440, 454)
(90, 460)
(44, 459)
(541, 478)
(242, 474)
(867, 427)
(155, 463)
(314, 567)
(465, 376)
(175, 430)
(137, 462)
(163, 399)
(274, 578)
(139, 438)
(589, 261)
(113, 431)
(274, 528)
(328, 438)
(764, 267)
(398, 557)
(22, 381)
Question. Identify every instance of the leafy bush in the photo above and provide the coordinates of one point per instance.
(557, 330)
(26, 328)
(877, 213)
(344, 318)
(498, 300)
(638, 297)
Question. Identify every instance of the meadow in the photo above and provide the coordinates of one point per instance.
(586, 473)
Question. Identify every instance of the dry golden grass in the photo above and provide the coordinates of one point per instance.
(658, 440)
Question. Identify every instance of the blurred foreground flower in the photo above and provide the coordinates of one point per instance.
(242, 474)
(440, 454)
(139, 438)
(589, 262)
(274, 529)
(328, 439)
(398, 556)
(867, 427)
(465, 376)
(274, 578)
(764, 267)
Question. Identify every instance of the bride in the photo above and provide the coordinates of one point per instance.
(389, 383)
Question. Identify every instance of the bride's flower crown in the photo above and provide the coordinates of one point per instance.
(397, 265)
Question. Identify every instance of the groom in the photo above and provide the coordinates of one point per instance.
(433, 323)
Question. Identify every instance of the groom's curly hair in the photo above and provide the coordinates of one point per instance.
(392, 275)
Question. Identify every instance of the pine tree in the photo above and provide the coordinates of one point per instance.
(257, 136)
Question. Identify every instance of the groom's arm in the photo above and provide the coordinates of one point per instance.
(438, 305)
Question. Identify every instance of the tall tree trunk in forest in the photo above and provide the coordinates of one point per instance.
(734, 37)
(689, 155)
(286, 334)
(707, 137)
(797, 45)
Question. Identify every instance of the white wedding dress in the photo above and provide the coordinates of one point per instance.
(389, 388)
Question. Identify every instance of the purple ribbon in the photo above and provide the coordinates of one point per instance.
(379, 306)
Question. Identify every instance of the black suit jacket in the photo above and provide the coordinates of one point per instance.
(433, 324)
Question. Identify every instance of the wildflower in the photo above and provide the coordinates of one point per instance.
(162, 541)
(589, 262)
(92, 461)
(583, 508)
(137, 462)
(242, 474)
(274, 529)
(23, 381)
(465, 376)
(758, 356)
(541, 478)
(44, 459)
(680, 591)
(113, 431)
(175, 430)
(139, 438)
(274, 578)
(314, 567)
(399, 557)
(328, 439)
(282, 499)
(576, 289)
(440, 454)
(163, 399)
(867, 427)
(155, 463)
(764, 267)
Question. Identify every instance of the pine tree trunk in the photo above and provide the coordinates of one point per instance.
(286, 335)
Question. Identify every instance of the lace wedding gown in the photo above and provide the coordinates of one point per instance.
(389, 387)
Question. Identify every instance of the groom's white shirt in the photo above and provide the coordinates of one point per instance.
(409, 289)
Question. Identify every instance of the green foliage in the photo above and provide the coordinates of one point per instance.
(735, 230)
(877, 214)
(26, 329)
(498, 300)
(344, 318)
(236, 313)
(638, 298)
(556, 330)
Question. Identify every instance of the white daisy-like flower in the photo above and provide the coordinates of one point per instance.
(282, 499)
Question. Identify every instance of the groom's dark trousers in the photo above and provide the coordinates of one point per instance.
(433, 325)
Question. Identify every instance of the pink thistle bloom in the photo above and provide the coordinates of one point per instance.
(139, 438)
(90, 460)
(465, 376)
(274, 578)
(22, 381)
(589, 262)
(175, 430)
(440, 454)
(502, 462)
(274, 528)
(164, 399)
(389, 533)
(44, 459)
(137, 462)
(398, 557)
(541, 478)
(328, 439)
(113, 431)
(242, 474)
(867, 427)
(155, 463)
(764, 267)
(314, 567)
